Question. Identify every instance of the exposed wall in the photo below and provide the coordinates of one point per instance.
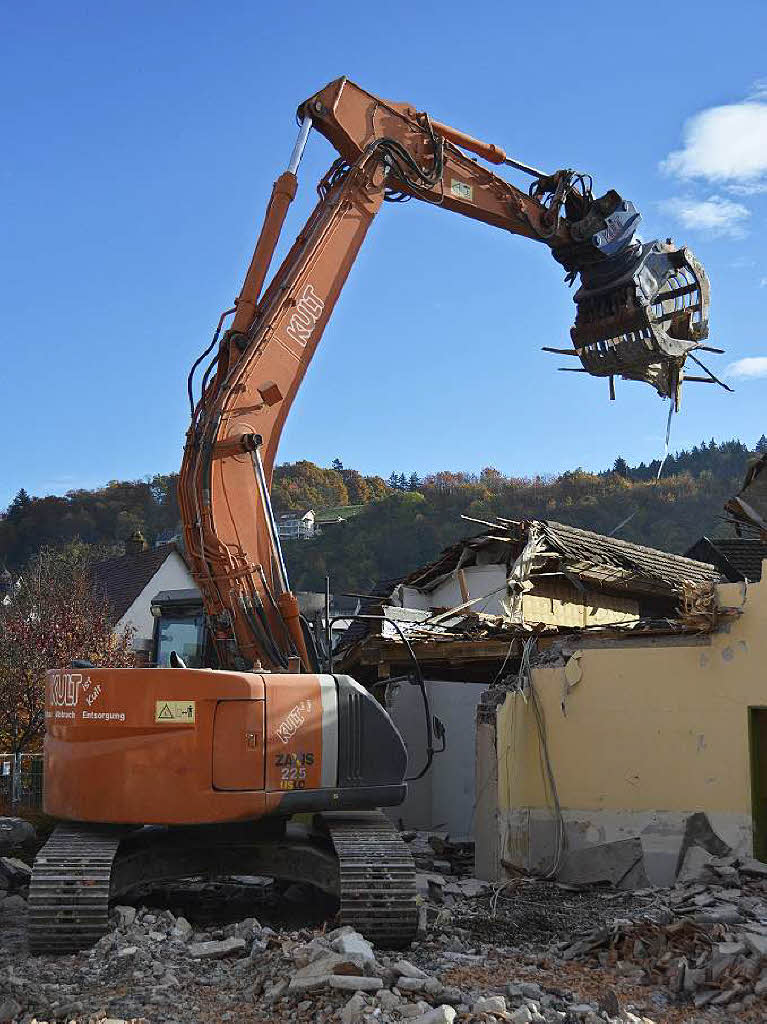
(172, 575)
(444, 798)
(640, 734)
(481, 580)
(553, 600)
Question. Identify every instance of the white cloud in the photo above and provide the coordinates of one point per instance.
(754, 188)
(753, 366)
(724, 144)
(715, 215)
(763, 283)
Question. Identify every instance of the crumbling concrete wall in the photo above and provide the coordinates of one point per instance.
(639, 737)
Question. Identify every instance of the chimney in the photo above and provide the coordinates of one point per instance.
(135, 543)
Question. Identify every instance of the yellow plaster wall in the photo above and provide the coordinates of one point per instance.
(560, 603)
(662, 728)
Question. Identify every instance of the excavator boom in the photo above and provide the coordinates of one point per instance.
(641, 309)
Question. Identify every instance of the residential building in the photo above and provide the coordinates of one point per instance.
(130, 582)
(297, 525)
(737, 558)
(473, 618)
(305, 523)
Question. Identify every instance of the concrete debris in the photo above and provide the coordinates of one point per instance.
(705, 940)
(16, 833)
(15, 875)
(490, 1004)
(407, 970)
(621, 864)
(531, 952)
(125, 916)
(353, 943)
(350, 983)
(437, 852)
(182, 929)
(439, 1015)
(696, 859)
(699, 833)
(211, 950)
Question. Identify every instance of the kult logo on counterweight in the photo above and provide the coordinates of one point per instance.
(65, 689)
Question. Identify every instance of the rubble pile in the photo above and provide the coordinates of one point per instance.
(436, 851)
(705, 940)
(483, 954)
(17, 840)
(157, 967)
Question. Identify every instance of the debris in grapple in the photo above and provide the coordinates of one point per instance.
(642, 307)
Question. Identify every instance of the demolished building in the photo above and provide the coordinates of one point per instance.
(477, 619)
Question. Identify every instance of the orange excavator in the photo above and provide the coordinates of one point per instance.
(164, 773)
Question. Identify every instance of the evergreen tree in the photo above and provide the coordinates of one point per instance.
(19, 505)
(337, 465)
(393, 481)
(620, 466)
(761, 445)
(413, 483)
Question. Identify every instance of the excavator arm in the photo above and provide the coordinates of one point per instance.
(641, 309)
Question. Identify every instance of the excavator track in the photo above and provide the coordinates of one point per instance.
(377, 877)
(73, 878)
(69, 892)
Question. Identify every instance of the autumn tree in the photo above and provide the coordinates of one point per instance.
(51, 616)
(356, 487)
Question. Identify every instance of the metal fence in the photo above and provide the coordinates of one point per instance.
(21, 781)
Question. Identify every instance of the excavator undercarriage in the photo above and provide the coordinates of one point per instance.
(356, 857)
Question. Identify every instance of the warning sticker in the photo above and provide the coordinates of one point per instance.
(174, 712)
(461, 190)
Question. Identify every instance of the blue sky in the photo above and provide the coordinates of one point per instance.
(141, 142)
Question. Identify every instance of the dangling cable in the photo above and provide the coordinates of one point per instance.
(668, 435)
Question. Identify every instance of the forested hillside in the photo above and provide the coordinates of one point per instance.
(407, 520)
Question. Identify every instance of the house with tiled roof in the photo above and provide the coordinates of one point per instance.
(129, 583)
(737, 558)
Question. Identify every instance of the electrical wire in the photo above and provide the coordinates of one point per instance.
(526, 682)
(420, 681)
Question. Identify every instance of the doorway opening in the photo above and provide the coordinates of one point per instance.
(757, 736)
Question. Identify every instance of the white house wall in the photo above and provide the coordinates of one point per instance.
(481, 580)
(172, 575)
(444, 798)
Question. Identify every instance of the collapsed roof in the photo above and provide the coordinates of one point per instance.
(549, 577)
(603, 561)
(749, 507)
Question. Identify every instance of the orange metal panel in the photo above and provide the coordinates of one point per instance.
(294, 734)
(238, 745)
(113, 754)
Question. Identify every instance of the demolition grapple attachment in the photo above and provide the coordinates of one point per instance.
(642, 308)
